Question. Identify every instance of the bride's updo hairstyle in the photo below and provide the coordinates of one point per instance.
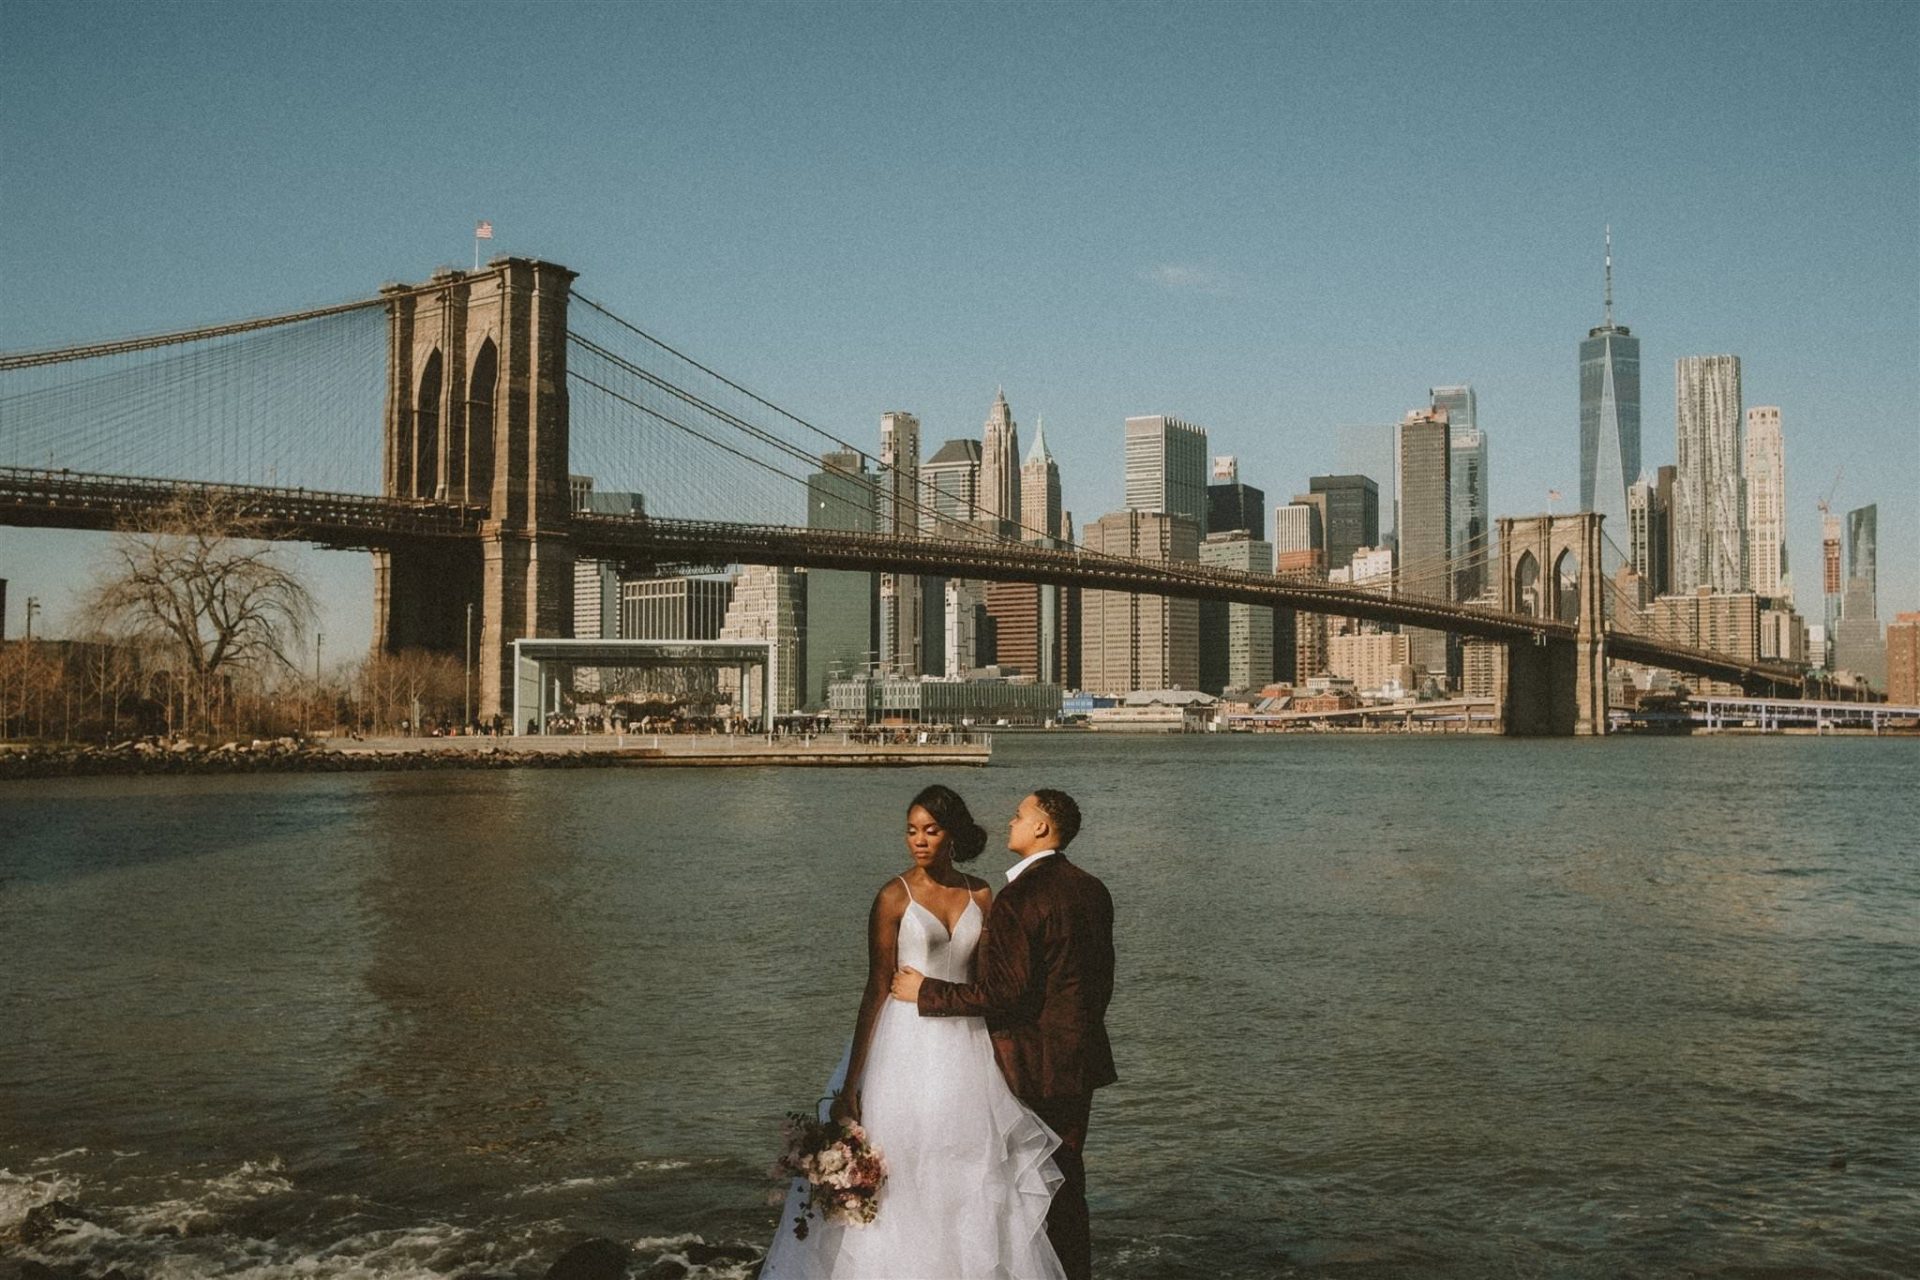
(968, 837)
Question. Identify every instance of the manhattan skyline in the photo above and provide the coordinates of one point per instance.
(1228, 216)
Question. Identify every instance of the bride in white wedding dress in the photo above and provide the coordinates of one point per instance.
(969, 1168)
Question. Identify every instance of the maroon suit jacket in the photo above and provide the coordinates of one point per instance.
(1043, 978)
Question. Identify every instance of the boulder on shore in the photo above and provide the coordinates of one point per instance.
(595, 1259)
(51, 1219)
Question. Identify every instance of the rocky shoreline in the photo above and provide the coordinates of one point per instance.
(594, 1258)
(279, 755)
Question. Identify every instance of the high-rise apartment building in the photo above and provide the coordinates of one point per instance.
(1040, 511)
(1013, 611)
(1372, 567)
(898, 512)
(1650, 532)
(1167, 467)
(1000, 470)
(1425, 484)
(1726, 622)
(770, 603)
(962, 620)
(1236, 640)
(1130, 642)
(1352, 515)
(1903, 660)
(842, 604)
(1372, 660)
(1299, 547)
(1469, 499)
(1783, 633)
(950, 489)
(1710, 505)
(1609, 415)
(1766, 477)
(1068, 613)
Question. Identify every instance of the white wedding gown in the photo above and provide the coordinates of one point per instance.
(969, 1167)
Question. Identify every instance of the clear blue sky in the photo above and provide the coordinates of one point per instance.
(1266, 219)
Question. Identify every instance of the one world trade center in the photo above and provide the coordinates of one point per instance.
(1609, 420)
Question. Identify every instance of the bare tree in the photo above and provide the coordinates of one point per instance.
(30, 675)
(413, 686)
(109, 676)
(198, 582)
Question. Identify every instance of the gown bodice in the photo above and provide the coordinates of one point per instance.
(924, 943)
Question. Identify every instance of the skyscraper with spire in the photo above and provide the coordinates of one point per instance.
(1029, 635)
(1039, 489)
(1000, 469)
(1609, 415)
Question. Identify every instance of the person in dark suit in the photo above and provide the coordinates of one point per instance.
(1042, 980)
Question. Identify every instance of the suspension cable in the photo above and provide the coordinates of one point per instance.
(124, 346)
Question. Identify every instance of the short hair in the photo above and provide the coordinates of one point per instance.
(1062, 814)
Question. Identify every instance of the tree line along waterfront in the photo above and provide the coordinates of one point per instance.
(194, 626)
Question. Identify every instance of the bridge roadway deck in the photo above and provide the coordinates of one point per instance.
(77, 500)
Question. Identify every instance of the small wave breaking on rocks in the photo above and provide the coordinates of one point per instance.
(252, 1222)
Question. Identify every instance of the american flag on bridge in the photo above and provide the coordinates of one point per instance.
(484, 231)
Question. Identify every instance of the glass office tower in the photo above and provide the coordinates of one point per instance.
(1609, 416)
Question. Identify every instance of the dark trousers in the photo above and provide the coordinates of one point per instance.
(1067, 1221)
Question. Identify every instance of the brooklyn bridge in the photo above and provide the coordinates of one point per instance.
(436, 426)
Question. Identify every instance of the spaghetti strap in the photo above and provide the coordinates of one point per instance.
(907, 887)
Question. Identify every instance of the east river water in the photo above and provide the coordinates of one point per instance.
(1385, 1007)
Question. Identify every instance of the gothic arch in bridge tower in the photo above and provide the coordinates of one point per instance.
(1566, 586)
(426, 430)
(1551, 685)
(1526, 586)
(477, 488)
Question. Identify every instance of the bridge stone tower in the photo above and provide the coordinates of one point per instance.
(476, 414)
(1552, 569)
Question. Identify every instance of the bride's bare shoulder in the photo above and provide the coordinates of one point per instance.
(891, 898)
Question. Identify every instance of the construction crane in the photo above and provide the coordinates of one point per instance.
(1825, 502)
(1830, 547)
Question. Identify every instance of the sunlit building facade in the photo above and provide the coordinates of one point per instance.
(1710, 506)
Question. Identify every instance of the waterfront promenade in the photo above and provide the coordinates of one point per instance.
(920, 747)
(915, 749)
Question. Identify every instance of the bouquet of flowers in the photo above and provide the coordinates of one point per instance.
(843, 1170)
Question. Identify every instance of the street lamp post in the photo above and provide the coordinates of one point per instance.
(467, 682)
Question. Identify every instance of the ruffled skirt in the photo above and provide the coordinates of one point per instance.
(970, 1173)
